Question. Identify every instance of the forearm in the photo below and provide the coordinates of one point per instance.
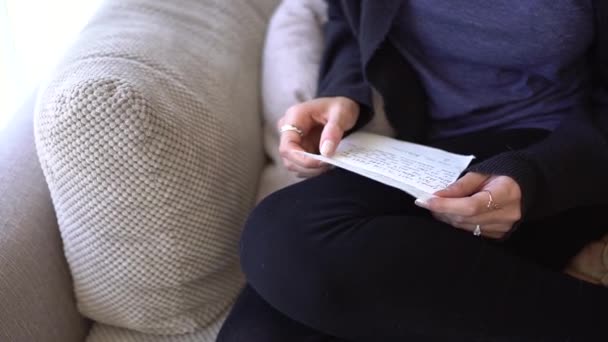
(341, 73)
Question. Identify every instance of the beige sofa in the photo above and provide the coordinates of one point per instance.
(38, 301)
(163, 262)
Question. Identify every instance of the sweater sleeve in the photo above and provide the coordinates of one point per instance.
(569, 168)
(341, 72)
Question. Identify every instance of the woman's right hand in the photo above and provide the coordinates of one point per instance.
(323, 122)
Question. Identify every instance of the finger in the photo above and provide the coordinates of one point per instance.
(466, 185)
(487, 218)
(290, 142)
(494, 231)
(333, 131)
(462, 206)
(290, 139)
(303, 172)
(441, 217)
(299, 115)
(490, 230)
(505, 217)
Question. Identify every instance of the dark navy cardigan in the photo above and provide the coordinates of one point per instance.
(567, 169)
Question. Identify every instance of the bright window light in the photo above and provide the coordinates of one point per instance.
(34, 35)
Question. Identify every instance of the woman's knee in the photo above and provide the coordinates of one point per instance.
(268, 234)
(253, 320)
(283, 251)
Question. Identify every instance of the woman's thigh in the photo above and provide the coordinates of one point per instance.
(253, 320)
(354, 258)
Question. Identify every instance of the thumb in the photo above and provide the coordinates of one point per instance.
(332, 133)
(466, 185)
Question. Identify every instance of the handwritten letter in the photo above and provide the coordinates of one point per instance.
(417, 169)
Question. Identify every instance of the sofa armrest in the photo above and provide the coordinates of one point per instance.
(36, 297)
(149, 135)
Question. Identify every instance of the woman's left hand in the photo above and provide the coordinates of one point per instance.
(492, 202)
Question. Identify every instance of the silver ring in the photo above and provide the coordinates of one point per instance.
(477, 230)
(288, 127)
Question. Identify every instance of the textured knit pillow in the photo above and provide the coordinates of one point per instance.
(290, 71)
(149, 137)
(108, 333)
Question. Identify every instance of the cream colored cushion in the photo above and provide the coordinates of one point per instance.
(36, 297)
(149, 137)
(108, 333)
(291, 58)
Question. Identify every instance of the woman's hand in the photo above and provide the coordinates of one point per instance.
(323, 122)
(492, 202)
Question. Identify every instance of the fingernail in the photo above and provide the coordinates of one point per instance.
(421, 203)
(327, 147)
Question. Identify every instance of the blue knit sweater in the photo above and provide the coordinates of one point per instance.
(567, 169)
(486, 64)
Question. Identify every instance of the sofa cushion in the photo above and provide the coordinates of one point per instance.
(149, 137)
(36, 297)
(291, 62)
(106, 333)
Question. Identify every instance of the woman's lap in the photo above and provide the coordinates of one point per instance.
(263, 323)
(321, 237)
(354, 258)
(340, 251)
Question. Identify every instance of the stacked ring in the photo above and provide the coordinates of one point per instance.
(288, 127)
(491, 204)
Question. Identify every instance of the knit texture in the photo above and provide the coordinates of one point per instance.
(149, 137)
(108, 333)
(36, 300)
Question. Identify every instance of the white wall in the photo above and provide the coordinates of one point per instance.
(34, 34)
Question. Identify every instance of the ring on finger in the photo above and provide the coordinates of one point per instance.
(491, 204)
(477, 230)
(289, 127)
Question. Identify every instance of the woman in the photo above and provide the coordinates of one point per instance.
(518, 84)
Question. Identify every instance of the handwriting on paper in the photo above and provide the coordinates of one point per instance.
(417, 169)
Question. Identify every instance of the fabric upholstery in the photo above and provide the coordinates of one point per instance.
(149, 136)
(36, 297)
(291, 61)
(36, 301)
(108, 333)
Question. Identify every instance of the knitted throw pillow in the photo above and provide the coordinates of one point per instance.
(107, 333)
(149, 137)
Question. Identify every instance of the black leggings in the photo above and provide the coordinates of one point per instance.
(340, 257)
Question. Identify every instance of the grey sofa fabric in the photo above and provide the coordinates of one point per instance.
(149, 137)
(36, 293)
